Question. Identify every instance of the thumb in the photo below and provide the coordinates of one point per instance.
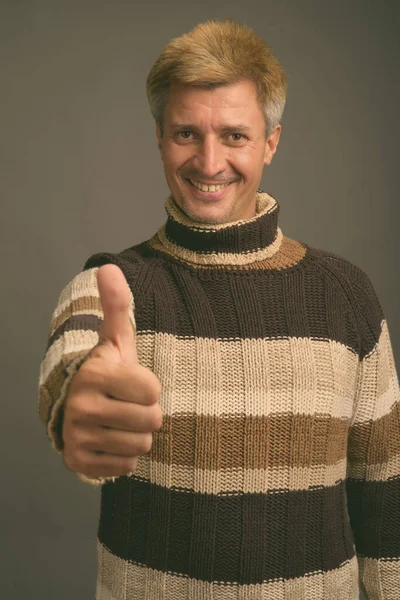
(116, 327)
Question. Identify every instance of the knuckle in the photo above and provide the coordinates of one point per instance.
(130, 465)
(156, 419)
(91, 372)
(82, 409)
(154, 389)
(145, 443)
(71, 461)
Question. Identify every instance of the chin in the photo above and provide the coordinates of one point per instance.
(207, 215)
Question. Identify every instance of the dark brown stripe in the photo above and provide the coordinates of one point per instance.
(332, 301)
(374, 510)
(249, 442)
(236, 239)
(247, 538)
(75, 323)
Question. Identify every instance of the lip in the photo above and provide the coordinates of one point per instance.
(209, 195)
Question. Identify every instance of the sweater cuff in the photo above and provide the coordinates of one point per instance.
(55, 424)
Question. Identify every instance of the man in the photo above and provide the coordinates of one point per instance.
(233, 390)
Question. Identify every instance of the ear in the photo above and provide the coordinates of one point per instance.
(271, 144)
(159, 138)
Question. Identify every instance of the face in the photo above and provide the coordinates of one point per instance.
(215, 138)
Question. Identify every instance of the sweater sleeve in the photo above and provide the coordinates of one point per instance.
(74, 331)
(373, 472)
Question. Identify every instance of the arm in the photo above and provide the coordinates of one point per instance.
(74, 332)
(373, 474)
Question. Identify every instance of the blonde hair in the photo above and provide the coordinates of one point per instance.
(217, 53)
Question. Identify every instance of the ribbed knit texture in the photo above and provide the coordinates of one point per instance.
(275, 474)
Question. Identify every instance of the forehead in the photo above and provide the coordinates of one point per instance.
(238, 99)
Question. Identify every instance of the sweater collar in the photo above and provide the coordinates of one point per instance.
(235, 243)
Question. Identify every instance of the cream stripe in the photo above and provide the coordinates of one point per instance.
(381, 578)
(121, 580)
(84, 284)
(326, 387)
(378, 472)
(75, 341)
(220, 258)
(378, 385)
(252, 481)
(327, 384)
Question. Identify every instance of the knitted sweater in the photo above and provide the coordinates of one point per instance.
(275, 474)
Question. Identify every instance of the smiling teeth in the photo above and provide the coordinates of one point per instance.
(207, 188)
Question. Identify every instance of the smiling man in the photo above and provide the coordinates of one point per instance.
(232, 390)
(214, 149)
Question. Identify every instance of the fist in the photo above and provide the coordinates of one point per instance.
(112, 407)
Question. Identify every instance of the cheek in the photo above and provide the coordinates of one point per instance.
(174, 160)
(248, 162)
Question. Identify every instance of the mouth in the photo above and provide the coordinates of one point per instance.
(209, 192)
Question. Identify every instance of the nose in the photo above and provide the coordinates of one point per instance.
(210, 158)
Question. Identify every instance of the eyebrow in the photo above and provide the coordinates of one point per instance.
(239, 128)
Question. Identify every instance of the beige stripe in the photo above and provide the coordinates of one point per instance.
(257, 376)
(81, 296)
(83, 284)
(249, 481)
(289, 254)
(121, 580)
(380, 578)
(72, 342)
(376, 472)
(53, 428)
(220, 258)
(377, 386)
(323, 372)
(50, 391)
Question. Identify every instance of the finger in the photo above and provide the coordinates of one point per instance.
(116, 327)
(103, 465)
(116, 442)
(109, 412)
(131, 383)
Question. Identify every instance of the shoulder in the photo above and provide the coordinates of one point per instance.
(358, 289)
(138, 263)
(132, 257)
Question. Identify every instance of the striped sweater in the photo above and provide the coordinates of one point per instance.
(275, 474)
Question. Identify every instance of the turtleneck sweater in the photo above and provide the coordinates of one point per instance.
(276, 472)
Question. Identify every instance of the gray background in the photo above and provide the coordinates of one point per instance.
(81, 173)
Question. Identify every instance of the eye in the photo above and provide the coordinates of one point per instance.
(182, 134)
(241, 137)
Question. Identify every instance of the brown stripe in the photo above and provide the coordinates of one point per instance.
(49, 391)
(375, 442)
(289, 254)
(240, 442)
(78, 306)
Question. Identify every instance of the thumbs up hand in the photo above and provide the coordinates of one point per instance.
(112, 406)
